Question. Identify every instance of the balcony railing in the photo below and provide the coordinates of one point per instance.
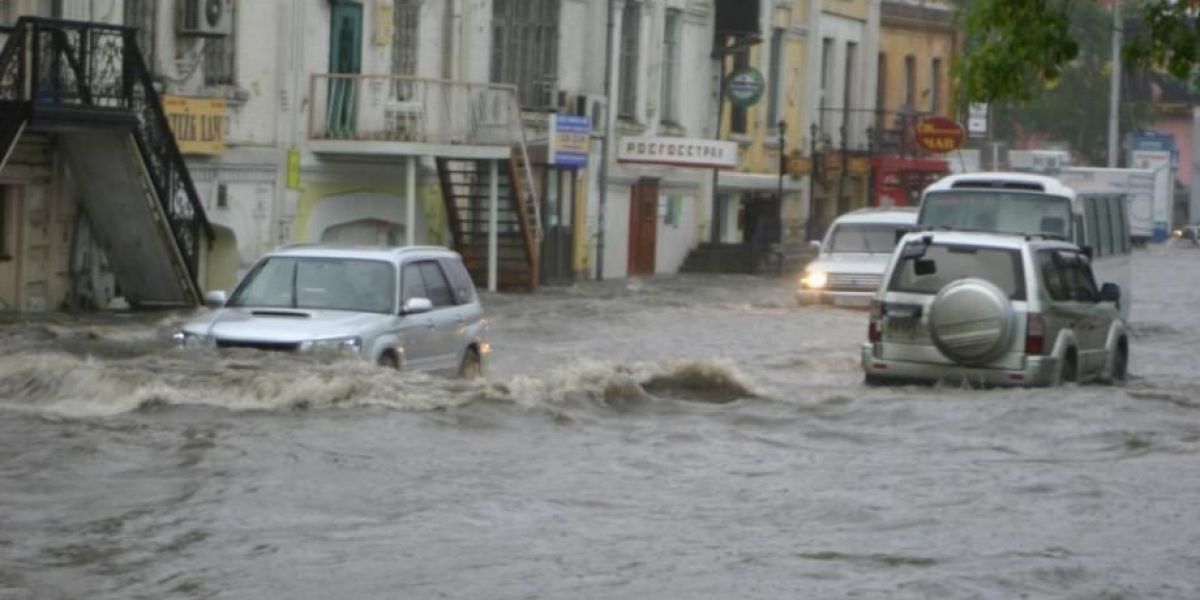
(412, 109)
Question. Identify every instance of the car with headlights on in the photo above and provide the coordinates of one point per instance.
(405, 308)
(993, 309)
(853, 255)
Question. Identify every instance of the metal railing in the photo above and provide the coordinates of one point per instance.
(413, 109)
(402, 108)
(61, 64)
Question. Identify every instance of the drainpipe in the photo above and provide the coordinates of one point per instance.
(605, 148)
(454, 37)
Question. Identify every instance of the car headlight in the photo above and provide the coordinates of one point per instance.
(347, 345)
(188, 339)
(815, 280)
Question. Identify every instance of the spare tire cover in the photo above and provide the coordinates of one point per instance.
(971, 321)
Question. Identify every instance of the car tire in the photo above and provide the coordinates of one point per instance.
(1070, 369)
(389, 360)
(471, 366)
(1120, 365)
(874, 380)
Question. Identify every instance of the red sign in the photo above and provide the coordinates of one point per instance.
(939, 134)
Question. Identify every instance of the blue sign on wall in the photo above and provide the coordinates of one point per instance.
(1146, 139)
(570, 140)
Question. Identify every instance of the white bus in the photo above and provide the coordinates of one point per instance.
(1029, 204)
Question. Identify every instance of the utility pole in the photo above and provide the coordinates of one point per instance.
(606, 141)
(1114, 104)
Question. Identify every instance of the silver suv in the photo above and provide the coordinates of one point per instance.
(411, 308)
(993, 309)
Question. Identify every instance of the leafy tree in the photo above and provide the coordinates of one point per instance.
(1072, 105)
(1014, 47)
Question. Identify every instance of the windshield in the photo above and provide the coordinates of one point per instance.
(872, 238)
(319, 283)
(950, 263)
(1003, 211)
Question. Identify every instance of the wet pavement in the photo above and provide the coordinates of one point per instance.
(678, 437)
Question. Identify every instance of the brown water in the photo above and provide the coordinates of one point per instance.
(687, 437)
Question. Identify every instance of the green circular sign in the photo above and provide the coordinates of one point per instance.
(745, 87)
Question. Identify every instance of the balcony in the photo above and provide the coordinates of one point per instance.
(393, 114)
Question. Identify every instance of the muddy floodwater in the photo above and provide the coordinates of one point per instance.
(677, 437)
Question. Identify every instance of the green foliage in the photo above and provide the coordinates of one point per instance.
(1013, 47)
(1073, 107)
(1167, 39)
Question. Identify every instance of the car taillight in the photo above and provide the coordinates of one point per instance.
(873, 334)
(1035, 334)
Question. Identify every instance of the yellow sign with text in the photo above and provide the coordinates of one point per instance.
(198, 123)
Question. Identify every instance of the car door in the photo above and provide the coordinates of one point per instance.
(417, 331)
(1100, 318)
(445, 318)
(467, 313)
(1092, 316)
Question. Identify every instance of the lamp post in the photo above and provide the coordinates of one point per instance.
(782, 170)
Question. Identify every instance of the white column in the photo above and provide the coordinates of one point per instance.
(493, 218)
(410, 211)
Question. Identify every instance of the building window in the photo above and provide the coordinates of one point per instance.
(219, 56)
(630, 32)
(670, 68)
(881, 93)
(935, 86)
(142, 14)
(775, 77)
(826, 58)
(405, 17)
(525, 48)
(910, 83)
(848, 89)
(739, 116)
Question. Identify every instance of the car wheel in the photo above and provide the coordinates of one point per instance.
(1120, 365)
(472, 366)
(873, 380)
(389, 360)
(1070, 369)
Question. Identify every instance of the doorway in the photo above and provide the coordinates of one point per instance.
(643, 227)
(345, 56)
(762, 224)
(558, 243)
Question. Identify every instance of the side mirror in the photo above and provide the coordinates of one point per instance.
(1110, 292)
(815, 245)
(416, 306)
(216, 299)
(925, 266)
(900, 233)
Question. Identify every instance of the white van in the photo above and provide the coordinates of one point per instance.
(1037, 205)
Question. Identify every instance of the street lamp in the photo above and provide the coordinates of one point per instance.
(782, 170)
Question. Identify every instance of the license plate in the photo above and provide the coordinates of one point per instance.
(902, 327)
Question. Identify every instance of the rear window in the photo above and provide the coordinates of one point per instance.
(998, 210)
(952, 262)
(863, 238)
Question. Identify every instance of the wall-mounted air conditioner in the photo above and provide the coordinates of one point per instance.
(206, 17)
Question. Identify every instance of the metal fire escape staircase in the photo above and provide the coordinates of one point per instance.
(88, 85)
(466, 189)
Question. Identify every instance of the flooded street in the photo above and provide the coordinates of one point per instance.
(680, 437)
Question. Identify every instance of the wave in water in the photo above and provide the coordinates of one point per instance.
(61, 384)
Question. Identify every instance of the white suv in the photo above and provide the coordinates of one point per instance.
(993, 309)
(851, 261)
(412, 308)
